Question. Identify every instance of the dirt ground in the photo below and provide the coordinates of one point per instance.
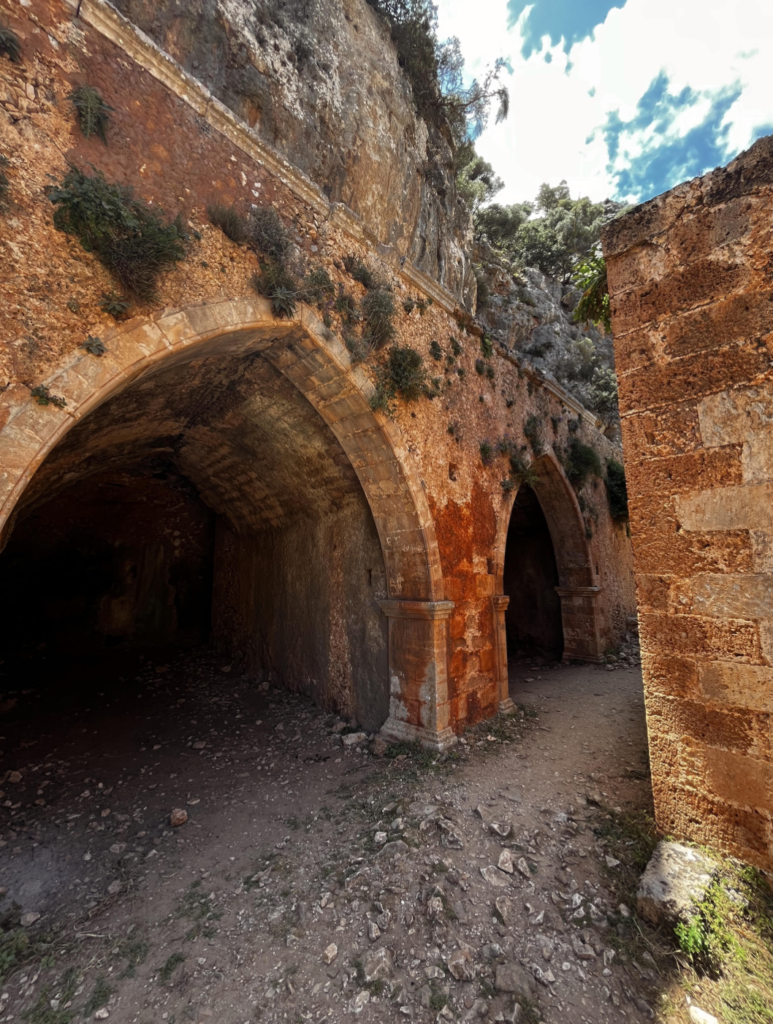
(473, 885)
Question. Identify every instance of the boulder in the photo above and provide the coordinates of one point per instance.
(514, 979)
(674, 882)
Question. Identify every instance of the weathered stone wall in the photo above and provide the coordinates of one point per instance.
(691, 280)
(206, 371)
(319, 81)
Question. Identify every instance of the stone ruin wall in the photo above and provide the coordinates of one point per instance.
(182, 149)
(691, 280)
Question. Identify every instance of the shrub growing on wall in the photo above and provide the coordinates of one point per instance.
(580, 461)
(10, 46)
(93, 113)
(130, 238)
(5, 184)
(401, 375)
(617, 492)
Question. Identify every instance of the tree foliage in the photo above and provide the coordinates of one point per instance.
(435, 70)
(590, 276)
(564, 231)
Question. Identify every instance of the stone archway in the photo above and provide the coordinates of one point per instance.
(318, 366)
(578, 587)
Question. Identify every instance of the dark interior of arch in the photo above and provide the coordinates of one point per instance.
(533, 617)
(207, 504)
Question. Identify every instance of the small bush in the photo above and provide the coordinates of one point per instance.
(43, 396)
(93, 113)
(5, 184)
(357, 348)
(486, 346)
(267, 233)
(99, 997)
(402, 375)
(480, 367)
(490, 372)
(617, 492)
(94, 346)
(435, 351)
(580, 460)
(486, 449)
(378, 308)
(275, 283)
(360, 271)
(346, 306)
(532, 430)
(317, 287)
(230, 221)
(127, 236)
(456, 347)
(117, 306)
(166, 971)
(10, 46)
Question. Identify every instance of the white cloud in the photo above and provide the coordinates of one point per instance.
(706, 45)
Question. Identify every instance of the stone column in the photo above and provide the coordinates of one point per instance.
(418, 673)
(580, 617)
(499, 603)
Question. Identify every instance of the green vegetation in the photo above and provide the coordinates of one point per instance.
(232, 223)
(435, 351)
(590, 276)
(276, 284)
(117, 306)
(268, 235)
(92, 111)
(129, 237)
(360, 271)
(617, 492)
(10, 46)
(43, 396)
(317, 287)
(14, 948)
(532, 430)
(580, 461)
(401, 375)
(169, 966)
(436, 72)
(565, 229)
(486, 449)
(43, 1013)
(99, 997)
(378, 308)
(135, 952)
(94, 345)
(5, 185)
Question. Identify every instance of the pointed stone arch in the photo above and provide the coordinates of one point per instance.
(318, 365)
(578, 586)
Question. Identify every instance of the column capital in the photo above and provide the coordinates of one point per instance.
(500, 602)
(395, 608)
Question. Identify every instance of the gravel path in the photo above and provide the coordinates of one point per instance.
(314, 880)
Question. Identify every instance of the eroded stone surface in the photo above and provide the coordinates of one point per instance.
(674, 882)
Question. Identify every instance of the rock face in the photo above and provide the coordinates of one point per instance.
(533, 315)
(674, 882)
(319, 81)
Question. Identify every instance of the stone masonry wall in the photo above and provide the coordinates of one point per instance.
(691, 280)
(182, 150)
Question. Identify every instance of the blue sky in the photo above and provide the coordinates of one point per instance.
(622, 98)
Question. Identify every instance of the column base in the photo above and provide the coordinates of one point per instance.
(506, 705)
(404, 732)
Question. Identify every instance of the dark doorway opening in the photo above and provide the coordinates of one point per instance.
(533, 617)
(206, 504)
